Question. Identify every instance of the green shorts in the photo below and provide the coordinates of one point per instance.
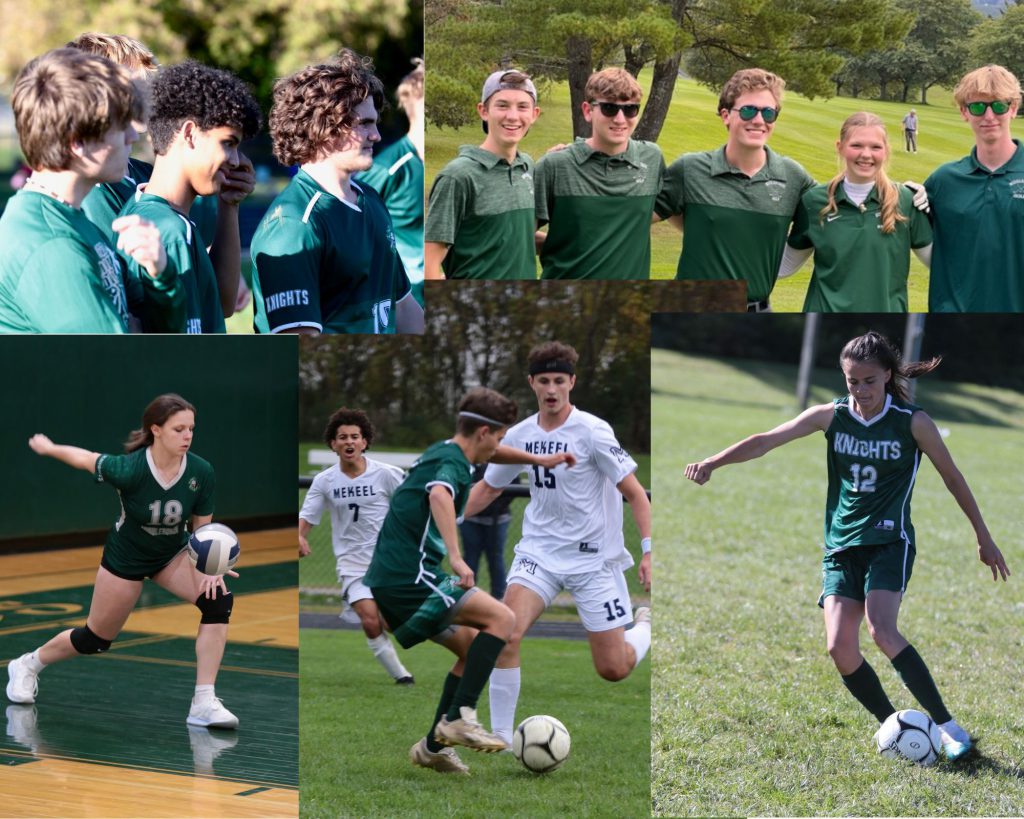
(420, 611)
(858, 570)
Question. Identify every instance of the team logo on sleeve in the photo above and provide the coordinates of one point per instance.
(382, 315)
(110, 276)
(619, 453)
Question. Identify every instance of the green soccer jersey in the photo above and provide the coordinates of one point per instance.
(325, 263)
(857, 268)
(154, 520)
(409, 544)
(397, 175)
(57, 272)
(735, 225)
(199, 311)
(872, 466)
(483, 208)
(978, 219)
(598, 209)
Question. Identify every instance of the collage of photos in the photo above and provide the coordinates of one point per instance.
(556, 264)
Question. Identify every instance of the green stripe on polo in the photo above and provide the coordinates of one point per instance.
(978, 220)
(857, 268)
(599, 211)
(482, 207)
(735, 225)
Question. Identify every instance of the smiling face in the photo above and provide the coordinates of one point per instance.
(509, 114)
(866, 383)
(610, 135)
(752, 134)
(349, 444)
(354, 152)
(552, 391)
(174, 437)
(864, 151)
(209, 155)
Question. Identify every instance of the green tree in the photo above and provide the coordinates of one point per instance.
(998, 40)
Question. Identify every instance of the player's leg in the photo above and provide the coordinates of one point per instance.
(602, 601)
(843, 616)
(113, 599)
(361, 600)
(495, 551)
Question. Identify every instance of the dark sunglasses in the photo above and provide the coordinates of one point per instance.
(978, 108)
(748, 112)
(611, 109)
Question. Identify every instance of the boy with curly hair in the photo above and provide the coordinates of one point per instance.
(324, 256)
(199, 117)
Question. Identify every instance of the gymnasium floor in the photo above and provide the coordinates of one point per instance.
(107, 735)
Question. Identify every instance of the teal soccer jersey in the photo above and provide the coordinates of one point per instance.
(193, 272)
(409, 547)
(104, 202)
(57, 272)
(153, 525)
(325, 263)
(872, 466)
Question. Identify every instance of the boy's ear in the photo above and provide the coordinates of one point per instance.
(188, 133)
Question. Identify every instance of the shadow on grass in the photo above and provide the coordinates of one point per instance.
(976, 763)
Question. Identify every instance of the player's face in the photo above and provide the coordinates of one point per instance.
(211, 155)
(610, 134)
(509, 115)
(488, 442)
(349, 443)
(552, 391)
(355, 151)
(990, 127)
(866, 383)
(106, 159)
(864, 151)
(175, 436)
(752, 133)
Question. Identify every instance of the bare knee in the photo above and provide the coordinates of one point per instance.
(887, 638)
(371, 625)
(613, 670)
(503, 624)
(845, 655)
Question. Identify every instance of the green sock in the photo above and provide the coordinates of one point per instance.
(451, 683)
(480, 659)
(918, 679)
(864, 685)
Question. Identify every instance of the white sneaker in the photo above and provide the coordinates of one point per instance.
(211, 713)
(444, 761)
(467, 730)
(24, 683)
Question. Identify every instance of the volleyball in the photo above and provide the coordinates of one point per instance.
(213, 548)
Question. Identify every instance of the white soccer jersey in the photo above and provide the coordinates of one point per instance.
(358, 507)
(573, 522)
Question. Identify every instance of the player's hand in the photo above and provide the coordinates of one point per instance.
(209, 584)
(920, 196)
(644, 571)
(989, 554)
(551, 461)
(40, 444)
(244, 296)
(140, 239)
(461, 568)
(699, 473)
(303, 546)
(239, 183)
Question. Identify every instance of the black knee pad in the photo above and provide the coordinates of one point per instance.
(86, 641)
(216, 610)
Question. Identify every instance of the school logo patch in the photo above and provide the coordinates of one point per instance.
(776, 189)
(528, 179)
(193, 484)
(1017, 188)
(619, 453)
(110, 276)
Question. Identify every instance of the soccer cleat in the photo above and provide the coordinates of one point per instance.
(956, 742)
(469, 732)
(406, 680)
(211, 713)
(643, 615)
(24, 683)
(444, 761)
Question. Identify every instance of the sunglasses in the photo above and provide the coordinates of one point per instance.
(611, 109)
(748, 112)
(978, 108)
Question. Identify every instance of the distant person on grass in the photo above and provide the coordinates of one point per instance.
(875, 439)
(481, 216)
(910, 131)
(978, 204)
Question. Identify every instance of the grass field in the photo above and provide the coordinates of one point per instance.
(749, 715)
(806, 131)
(356, 729)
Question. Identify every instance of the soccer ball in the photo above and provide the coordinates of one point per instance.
(541, 743)
(213, 549)
(910, 735)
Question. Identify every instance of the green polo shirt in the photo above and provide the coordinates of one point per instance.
(598, 208)
(857, 268)
(482, 207)
(978, 219)
(736, 225)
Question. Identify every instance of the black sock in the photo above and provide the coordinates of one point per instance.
(918, 679)
(451, 683)
(864, 685)
(480, 659)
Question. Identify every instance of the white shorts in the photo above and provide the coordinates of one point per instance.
(353, 590)
(601, 596)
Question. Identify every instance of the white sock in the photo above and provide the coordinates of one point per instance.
(504, 694)
(955, 731)
(640, 638)
(35, 665)
(203, 693)
(387, 656)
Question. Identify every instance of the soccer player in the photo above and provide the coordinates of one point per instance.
(324, 255)
(356, 491)
(420, 601)
(58, 274)
(397, 175)
(164, 490)
(481, 216)
(597, 195)
(572, 532)
(978, 257)
(742, 189)
(199, 116)
(875, 439)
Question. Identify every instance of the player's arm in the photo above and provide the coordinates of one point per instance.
(304, 529)
(226, 250)
(640, 506)
(511, 455)
(433, 254)
(201, 520)
(930, 442)
(814, 419)
(481, 495)
(409, 315)
(71, 455)
(442, 509)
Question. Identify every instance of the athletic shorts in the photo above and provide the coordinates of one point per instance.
(858, 570)
(420, 611)
(601, 596)
(353, 589)
(134, 574)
